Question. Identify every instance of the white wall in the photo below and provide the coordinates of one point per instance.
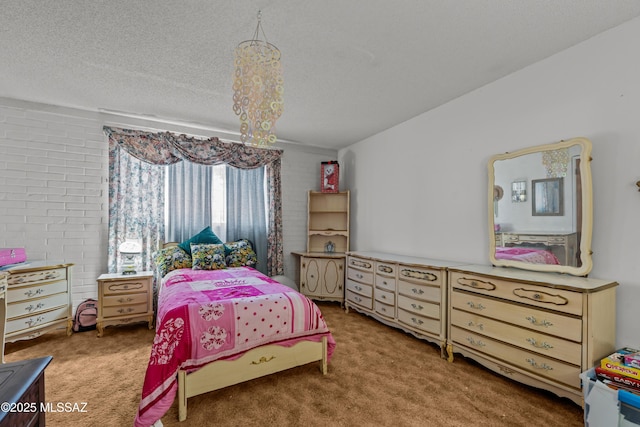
(54, 186)
(429, 174)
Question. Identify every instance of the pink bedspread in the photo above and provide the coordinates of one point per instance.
(210, 315)
(531, 255)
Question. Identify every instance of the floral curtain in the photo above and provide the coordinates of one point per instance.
(136, 206)
(164, 148)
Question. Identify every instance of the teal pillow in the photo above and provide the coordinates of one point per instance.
(206, 256)
(205, 236)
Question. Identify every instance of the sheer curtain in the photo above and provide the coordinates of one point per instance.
(247, 210)
(195, 199)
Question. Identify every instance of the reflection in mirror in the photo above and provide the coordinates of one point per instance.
(554, 232)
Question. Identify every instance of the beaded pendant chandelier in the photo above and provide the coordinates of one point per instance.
(258, 87)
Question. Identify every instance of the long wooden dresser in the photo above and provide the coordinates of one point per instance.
(400, 291)
(541, 329)
(38, 300)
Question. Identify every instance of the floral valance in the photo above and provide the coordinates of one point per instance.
(166, 148)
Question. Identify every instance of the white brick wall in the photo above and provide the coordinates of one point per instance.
(54, 187)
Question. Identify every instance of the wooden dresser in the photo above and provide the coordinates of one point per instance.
(3, 311)
(408, 293)
(22, 393)
(541, 329)
(125, 298)
(38, 300)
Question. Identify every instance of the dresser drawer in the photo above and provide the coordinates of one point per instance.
(33, 322)
(125, 286)
(529, 317)
(35, 306)
(422, 308)
(360, 264)
(384, 309)
(386, 269)
(360, 289)
(534, 363)
(527, 339)
(115, 300)
(416, 321)
(383, 282)
(358, 299)
(420, 275)
(421, 292)
(37, 276)
(25, 293)
(524, 293)
(385, 297)
(124, 310)
(360, 276)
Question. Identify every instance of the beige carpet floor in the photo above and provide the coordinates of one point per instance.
(379, 376)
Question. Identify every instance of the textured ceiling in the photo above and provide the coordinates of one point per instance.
(352, 68)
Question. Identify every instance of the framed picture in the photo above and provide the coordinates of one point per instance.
(329, 177)
(519, 191)
(547, 197)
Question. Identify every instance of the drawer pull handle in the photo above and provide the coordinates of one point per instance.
(359, 276)
(385, 269)
(122, 300)
(543, 297)
(476, 325)
(32, 322)
(357, 299)
(534, 321)
(383, 296)
(417, 306)
(417, 321)
(360, 264)
(476, 284)
(543, 345)
(31, 293)
(534, 364)
(420, 275)
(358, 288)
(30, 307)
(417, 291)
(128, 310)
(476, 307)
(478, 343)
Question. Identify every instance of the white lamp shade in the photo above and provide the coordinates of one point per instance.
(130, 246)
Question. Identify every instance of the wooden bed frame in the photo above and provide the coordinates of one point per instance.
(255, 363)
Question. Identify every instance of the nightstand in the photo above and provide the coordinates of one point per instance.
(124, 298)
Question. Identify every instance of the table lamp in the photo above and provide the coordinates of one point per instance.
(129, 249)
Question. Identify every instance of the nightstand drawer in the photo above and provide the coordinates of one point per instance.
(118, 300)
(125, 286)
(124, 310)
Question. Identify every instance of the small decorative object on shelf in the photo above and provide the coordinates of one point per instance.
(329, 177)
(329, 247)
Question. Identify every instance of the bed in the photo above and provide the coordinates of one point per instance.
(526, 254)
(220, 327)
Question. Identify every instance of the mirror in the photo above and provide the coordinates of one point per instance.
(551, 229)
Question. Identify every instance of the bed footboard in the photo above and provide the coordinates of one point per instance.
(255, 363)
